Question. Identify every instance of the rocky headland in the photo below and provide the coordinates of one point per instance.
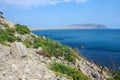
(26, 56)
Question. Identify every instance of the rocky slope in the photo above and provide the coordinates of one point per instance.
(18, 62)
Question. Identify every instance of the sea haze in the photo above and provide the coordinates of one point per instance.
(99, 46)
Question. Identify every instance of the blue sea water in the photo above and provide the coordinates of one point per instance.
(100, 46)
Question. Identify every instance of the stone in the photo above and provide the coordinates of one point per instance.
(40, 50)
(90, 69)
(5, 21)
(18, 50)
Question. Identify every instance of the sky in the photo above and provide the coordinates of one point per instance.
(61, 13)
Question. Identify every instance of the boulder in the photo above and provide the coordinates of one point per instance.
(40, 50)
(18, 50)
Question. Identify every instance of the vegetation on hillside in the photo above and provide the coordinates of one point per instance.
(22, 29)
(3, 37)
(56, 49)
(50, 47)
(66, 70)
(7, 35)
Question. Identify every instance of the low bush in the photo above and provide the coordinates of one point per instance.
(3, 37)
(28, 43)
(11, 38)
(2, 31)
(19, 39)
(68, 71)
(7, 35)
(37, 45)
(37, 39)
(22, 29)
(56, 49)
(10, 31)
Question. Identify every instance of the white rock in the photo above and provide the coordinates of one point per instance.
(18, 50)
(40, 50)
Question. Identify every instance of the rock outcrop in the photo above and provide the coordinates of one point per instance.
(30, 67)
(18, 50)
(20, 63)
(5, 21)
(91, 70)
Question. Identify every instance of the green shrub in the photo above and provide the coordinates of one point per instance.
(22, 29)
(68, 71)
(3, 37)
(28, 43)
(10, 31)
(7, 35)
(37, 39)
(37, 45)
(19, 39)
(53, 48)
(117, 76)
(11, 38)
(2, 31)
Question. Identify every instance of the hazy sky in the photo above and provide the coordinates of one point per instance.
(60, 13)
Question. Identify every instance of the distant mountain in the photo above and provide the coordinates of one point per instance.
(87, 26)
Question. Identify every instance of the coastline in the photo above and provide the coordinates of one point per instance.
(34, 29)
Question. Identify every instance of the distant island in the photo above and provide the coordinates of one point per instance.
(87, 26)
(76, 26)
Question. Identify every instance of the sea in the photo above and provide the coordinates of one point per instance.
(101, 46)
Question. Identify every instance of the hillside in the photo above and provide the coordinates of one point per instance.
(87, 26)
(26, 56)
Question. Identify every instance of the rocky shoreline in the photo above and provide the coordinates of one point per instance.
(26, 64)
(19, 60)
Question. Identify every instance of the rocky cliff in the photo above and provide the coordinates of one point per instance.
(25, 56)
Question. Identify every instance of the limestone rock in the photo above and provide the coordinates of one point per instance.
(40, 50)
(5, 21)
(23, 37)
(91, 70)
(18, 50)
(33, 67)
